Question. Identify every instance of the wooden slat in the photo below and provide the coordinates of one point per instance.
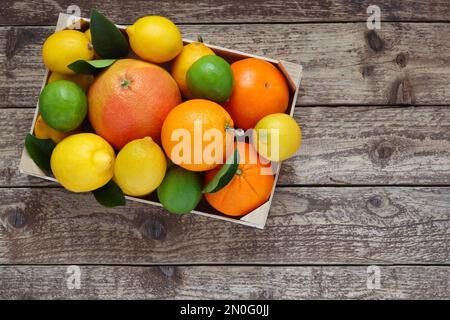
(203, 11)
(341, 145)
(371, 145)
(15, 124)
(338, 225)
(228, 282)
(404, 63)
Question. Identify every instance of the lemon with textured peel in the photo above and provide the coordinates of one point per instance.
(83, 162)
(65, 47)
(277, 137)
(140, 167)
(155, 39)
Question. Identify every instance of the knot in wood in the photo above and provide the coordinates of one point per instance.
(384, 152)
(376, 201)
(402, 59)
(154, 229)
(381, 152)
(374, 41)
(367, 71)
(402, 93)
(382, 207)
(16, 219)
(16, 39)
(167, 271)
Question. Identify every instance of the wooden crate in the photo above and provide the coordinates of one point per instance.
(258, 217)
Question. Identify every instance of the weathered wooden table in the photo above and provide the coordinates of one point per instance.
(369, 187)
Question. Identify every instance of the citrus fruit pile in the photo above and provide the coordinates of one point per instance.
(134, 111)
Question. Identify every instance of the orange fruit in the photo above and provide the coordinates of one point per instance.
(259, 89)
(130, 100)
(250, 187)
(186, 135)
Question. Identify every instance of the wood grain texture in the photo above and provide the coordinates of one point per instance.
(371, 145)
(341, 145)
(338, 225)
(404, 63)
(227, 282)
(26, 12)
(15, 124)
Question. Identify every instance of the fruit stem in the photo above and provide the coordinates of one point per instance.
(238, 172)
(237, 132)
(125, 83)
(199, 39)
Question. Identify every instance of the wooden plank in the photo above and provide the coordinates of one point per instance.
(341, 145)
(224, 282)
(15, 124)
(404, 63)
(371, 145)
(232, 11)
(341, 225)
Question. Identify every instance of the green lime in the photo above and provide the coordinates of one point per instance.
(210, 77)
(63, 105)
(180, 191)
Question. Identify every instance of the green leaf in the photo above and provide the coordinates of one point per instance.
(108, 41)
(110, 195)
(90, 66)
(40, 150)
(224, 175)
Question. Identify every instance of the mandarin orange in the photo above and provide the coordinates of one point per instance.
(194, 134)
(250, 187)
(259, 89)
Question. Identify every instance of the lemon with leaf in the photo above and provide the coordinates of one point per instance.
(65, 47)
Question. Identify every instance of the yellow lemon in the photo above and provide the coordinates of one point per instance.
(44, 131)
(83, 162)
(155, 39)
(88, 35)
(64, 47)
(140, 167)
(190, 53)
(83, 80)
(277, 136)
